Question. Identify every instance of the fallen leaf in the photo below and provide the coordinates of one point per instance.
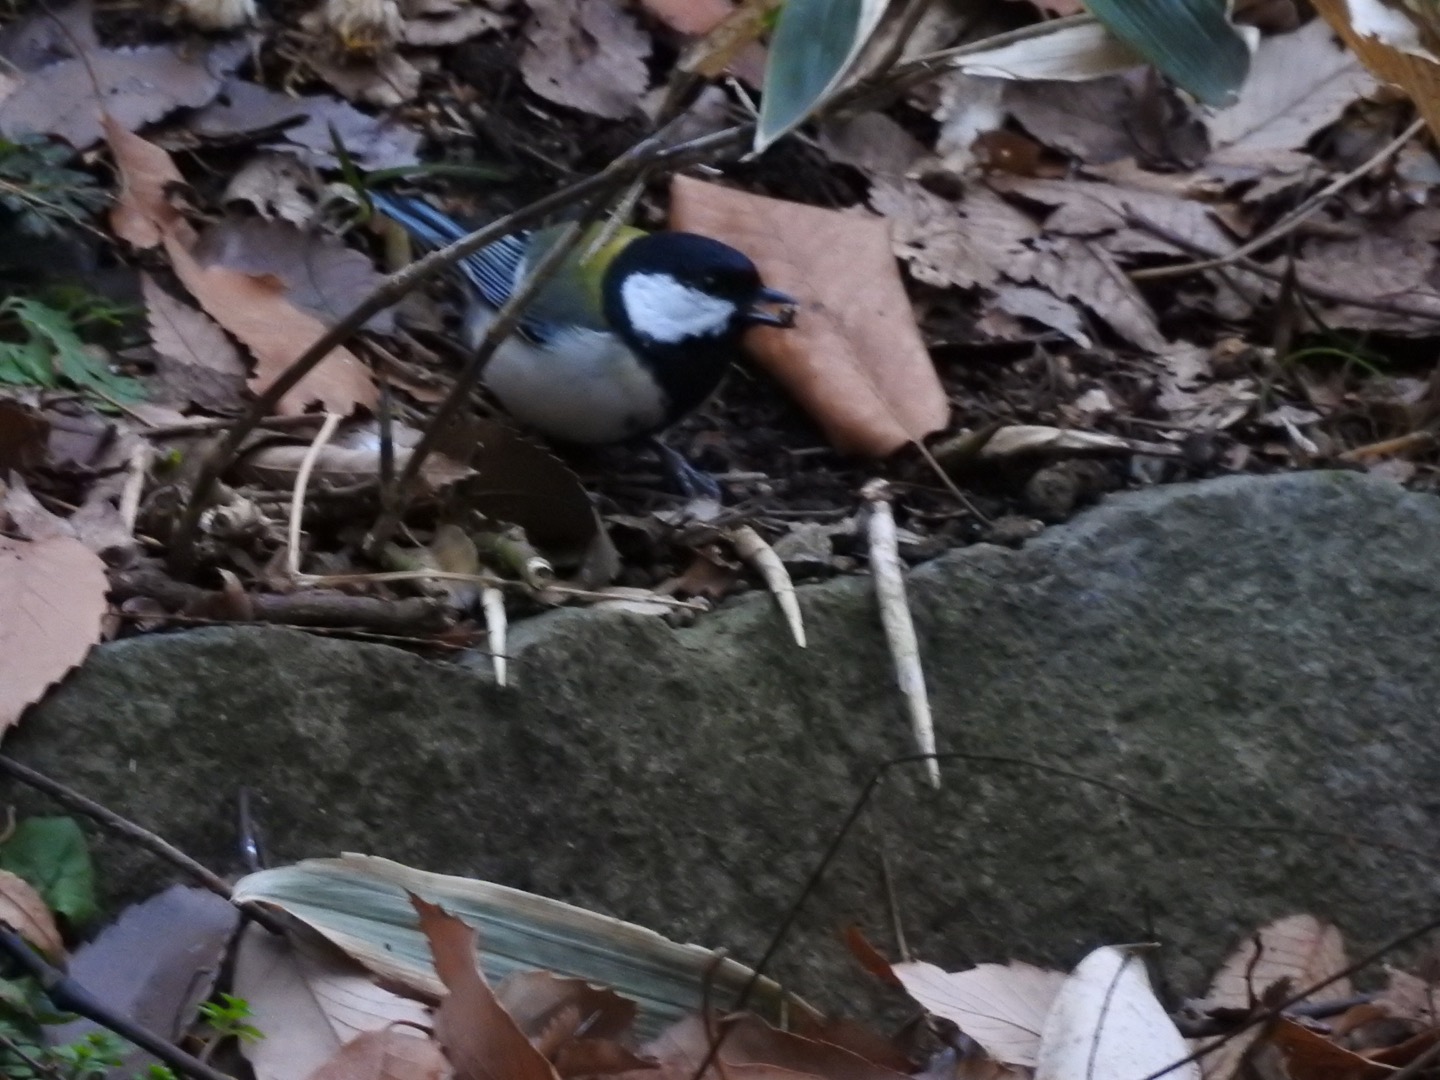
(253, 309)
(309, 1004)
(1300, 948)
(154, 965)
(872, 143)
(1093, 122)
(1392, 44)
(244, 108)
(1311, 1056)
(1298, 83)
(436, 24)
(136, 87)
(385, 1055)
(53, 592)
(1107, 1022)
(480, 1038)
(1092, 208)
(385, 80)
(1409, 997)
(196, 361)
(854, 358)
(968, 243)
(1002, 1007)
(320, 273)
(353, 457)
(1081, 270)
(589, 56)
(534, 998)
(275, 186)
(24, 912)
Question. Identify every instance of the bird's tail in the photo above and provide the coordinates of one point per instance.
(491, 271)
(418, 218)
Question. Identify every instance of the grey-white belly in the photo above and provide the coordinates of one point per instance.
(584, 387)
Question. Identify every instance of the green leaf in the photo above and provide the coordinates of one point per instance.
(815, 44)
(54, 347)
(1190, 41)
(51, 854)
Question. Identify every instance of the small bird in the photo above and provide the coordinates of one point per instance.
(614, 347)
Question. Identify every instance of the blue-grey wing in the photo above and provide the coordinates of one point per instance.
(492, 271)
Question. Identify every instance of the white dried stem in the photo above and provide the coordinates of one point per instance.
(302, 482)
(135, 473)
(751, 547)
(492, 602)
(889, 578)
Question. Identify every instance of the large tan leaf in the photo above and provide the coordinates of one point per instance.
(1300, 948)
(22, 908)
(52, 595)
(1000, 1006)
(854, 358)
(588, 56)
(385, 1055)
(252, 308)
(309, 1005)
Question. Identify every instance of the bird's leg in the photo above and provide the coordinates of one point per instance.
(693, 483)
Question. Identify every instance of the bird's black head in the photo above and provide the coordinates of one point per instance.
(676, 288)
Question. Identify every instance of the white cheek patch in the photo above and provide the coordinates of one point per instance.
(664, 310)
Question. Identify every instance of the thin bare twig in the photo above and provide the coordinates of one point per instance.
(302, 482)
(1319, 292)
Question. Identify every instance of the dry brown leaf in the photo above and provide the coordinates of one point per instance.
(749, 1040)
(309, 1004)
(589, 56)
(197, 362)
(52, 592)
(136, 86)
(1002, 1007)
(385, 1055)
(373, 142)
(1298, 83)
(27, 914)
(1092, 208)
(967, 243)
(534, 998)
(321, 274)
(253, 309)
(1300, 948)
(854, 358)
(1311, 1056)
(275, 186)
(1415, 73)
(353, 458)
(478, 1035)
(1042, 306)
(1083, 271)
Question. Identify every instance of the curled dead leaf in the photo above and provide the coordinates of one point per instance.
(854, 358)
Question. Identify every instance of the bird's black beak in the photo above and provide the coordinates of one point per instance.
(760, 316)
